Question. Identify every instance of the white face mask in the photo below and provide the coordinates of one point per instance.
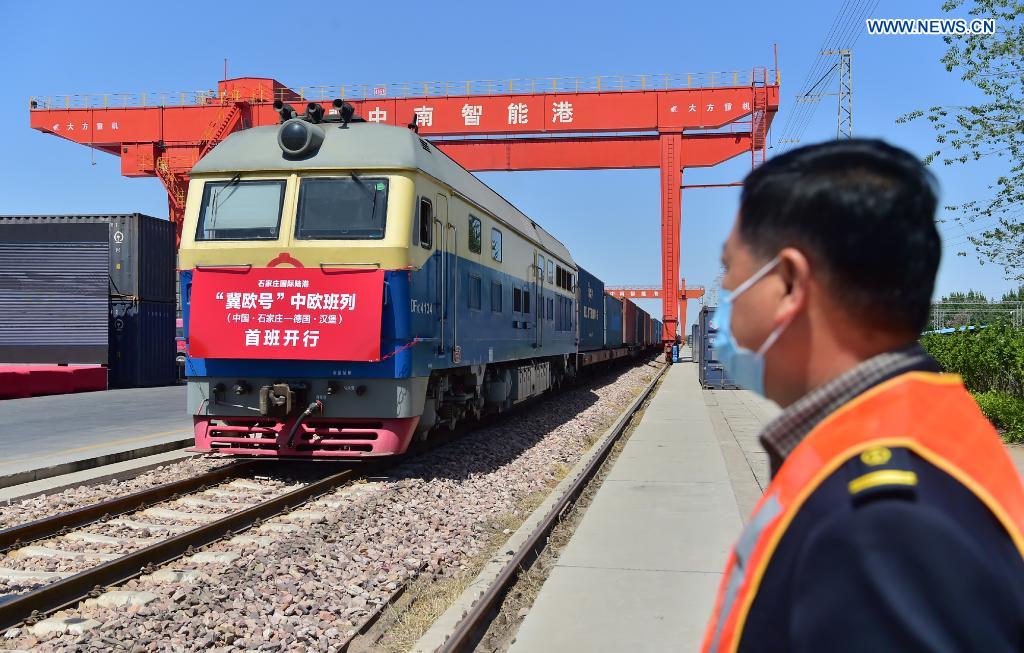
(744, 366)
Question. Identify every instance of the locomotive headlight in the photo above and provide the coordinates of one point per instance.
(299, 138)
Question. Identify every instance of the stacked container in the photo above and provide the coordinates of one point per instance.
(139, 322)
(629, 321)
(53, 293)
(612, 322)
(711, 372)
(142, 351)
(591, 311)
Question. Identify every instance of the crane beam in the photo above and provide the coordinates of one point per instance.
(669, 122)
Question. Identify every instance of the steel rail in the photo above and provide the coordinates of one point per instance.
(49, 526)
(70, 590)
(469, 630)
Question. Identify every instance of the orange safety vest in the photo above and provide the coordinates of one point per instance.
(927, 413)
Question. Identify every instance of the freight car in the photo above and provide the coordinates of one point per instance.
(347, 287)
(604, 340)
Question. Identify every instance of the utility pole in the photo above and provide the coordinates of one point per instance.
(844, 114)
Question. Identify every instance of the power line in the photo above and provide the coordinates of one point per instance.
(846, 28)
(814, 73)
(850, 21)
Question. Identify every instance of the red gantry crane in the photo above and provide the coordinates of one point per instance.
(669, 122)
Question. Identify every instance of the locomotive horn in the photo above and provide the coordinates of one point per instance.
(314, 112)
(346, 111)
(286, 111)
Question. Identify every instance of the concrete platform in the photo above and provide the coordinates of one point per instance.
(641, 571)
(41, 437)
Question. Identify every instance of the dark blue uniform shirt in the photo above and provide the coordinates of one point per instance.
(923, 568)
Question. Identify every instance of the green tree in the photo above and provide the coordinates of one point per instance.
(959, 309)
(971, 296)
(1014, 295)
(994, 63)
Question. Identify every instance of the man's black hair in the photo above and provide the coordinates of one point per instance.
(863, 211)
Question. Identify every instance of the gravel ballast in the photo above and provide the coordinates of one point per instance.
(309, 588)
(47, 505)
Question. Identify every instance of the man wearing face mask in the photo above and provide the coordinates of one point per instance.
(894, 518)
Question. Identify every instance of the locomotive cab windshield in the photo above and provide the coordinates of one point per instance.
(329, 208)
(341, 208)
(241, 210)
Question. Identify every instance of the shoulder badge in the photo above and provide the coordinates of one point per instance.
(881, 471)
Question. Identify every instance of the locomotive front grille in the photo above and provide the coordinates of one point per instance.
(324, 437)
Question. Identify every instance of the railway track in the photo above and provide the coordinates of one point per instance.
(469, 630)
(313, 536)
(70, 535)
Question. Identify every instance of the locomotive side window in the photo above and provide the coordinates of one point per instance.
(341, 208)
(426, 223)
(564, 278)
(526, 301)
(517, 300)
(476, 235)
(496, 244)
(496, 297)
(475, 292)
(241, 210)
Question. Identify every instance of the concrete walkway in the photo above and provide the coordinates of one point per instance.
(59, 433)
(641, 571)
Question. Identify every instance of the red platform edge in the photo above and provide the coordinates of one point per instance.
(20, 381)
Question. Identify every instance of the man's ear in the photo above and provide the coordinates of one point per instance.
(794, 270)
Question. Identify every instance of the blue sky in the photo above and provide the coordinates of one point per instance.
(609, 219)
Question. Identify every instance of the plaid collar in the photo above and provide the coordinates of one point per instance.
(781, 436)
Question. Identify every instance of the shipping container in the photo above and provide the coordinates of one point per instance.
(53, 293)
(711, 372)
(612, 322)
(141, 344)
(629, 320)
(590, 301)
(141, 251)
(641, 327)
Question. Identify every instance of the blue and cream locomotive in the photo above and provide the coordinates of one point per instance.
(478, 305)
